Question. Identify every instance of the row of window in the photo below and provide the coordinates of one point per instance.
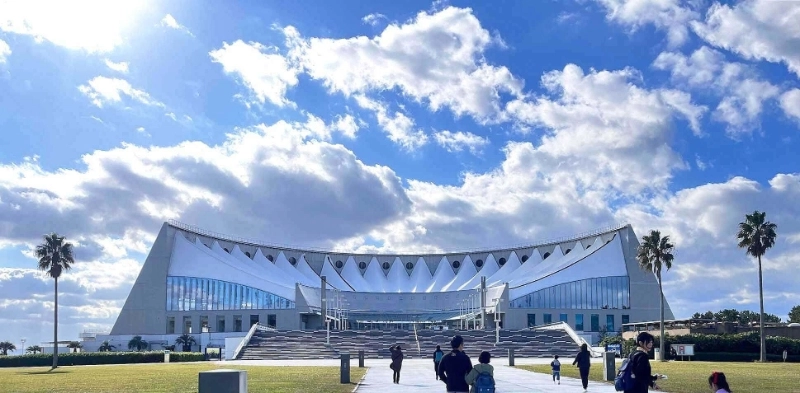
(591, 293)
(190, 294)
(610, 325)
(219, 327)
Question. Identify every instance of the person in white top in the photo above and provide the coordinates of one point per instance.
(718, 383)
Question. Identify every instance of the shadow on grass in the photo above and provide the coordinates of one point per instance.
(45, 372)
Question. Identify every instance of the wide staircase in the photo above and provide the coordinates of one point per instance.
(294, 344)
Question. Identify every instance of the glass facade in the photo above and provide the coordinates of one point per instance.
(191, 294)
(595, 322)
(531, 320)
(562, 317)
(579, 322)
(548, 318)
(592, 294)
(610, 323)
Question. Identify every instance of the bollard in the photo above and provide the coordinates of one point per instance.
(344, 368)
(166, 356)
(222, 381)
(511, 357)
(609, 366)
(361, 359)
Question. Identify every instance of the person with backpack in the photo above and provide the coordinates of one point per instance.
(397, 363)
(584, 362)
(555, 365)
(635, 372)
(718, 383)
(437, 358)
(481, 377)
(455, 366)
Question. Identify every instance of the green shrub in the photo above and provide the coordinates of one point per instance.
(739, 345)
(92, 358)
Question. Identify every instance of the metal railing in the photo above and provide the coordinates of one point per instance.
(575, 337)
(254, 242)
(245, 340)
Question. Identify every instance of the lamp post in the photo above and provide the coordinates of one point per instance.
(497, 320)
(23, 345)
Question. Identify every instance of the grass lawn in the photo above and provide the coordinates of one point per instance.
(159, 378)
(692, 377)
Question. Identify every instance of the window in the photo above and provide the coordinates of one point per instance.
(339, 264)
(595, 322)
(272, 320)
(479, 263)
(194, 294)
(203, 323)
(187, 325)
(253, 320)
(562, 317)
(220, 323)
(548, 318)
(170, 325)
(579, 322)
(248, 254)
(591, 293)
(502, 261)
(456, 264)
(546, 255)
(270, 258)
(362, 265)
(610, 323)
(293, 261)
(409, 266)
(626, 319)
(524, 258)
(531, 320)
(386, 265)
(568, 251)
(237, 323)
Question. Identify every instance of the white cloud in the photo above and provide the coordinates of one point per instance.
(436, 59)
(460, 140)
(373, 19)
(169, 21)
(91, 25)
(266, 73)
(790, 103)
(121, 67)
(171, 116)
(743, 94)
(142, 131)
(611, 133)
(701, 165)
(102, 90)
(398, 127)
(347, 125)
(5, 51)
(756, 30)
(668, 15)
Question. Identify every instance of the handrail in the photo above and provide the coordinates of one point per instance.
(575, 337)
(253, 242)
(419, 348)
(245, 341)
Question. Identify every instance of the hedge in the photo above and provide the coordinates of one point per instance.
(736, 347)
(92, 358)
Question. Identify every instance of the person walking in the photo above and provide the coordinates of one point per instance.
(454, 367)
(584, 362)
(555, 366)
(397, 362)
(640, 363)
(718, 383)
(438, 354)
(481, 377)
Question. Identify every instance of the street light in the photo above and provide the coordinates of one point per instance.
(23, 345)
(497, 319)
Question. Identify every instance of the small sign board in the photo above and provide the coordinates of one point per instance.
(683, 349)
(616, 348)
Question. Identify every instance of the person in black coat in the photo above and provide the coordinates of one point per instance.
(437, 358)
(584, 362)
(640, 365)
(397, 362)
(455, 366)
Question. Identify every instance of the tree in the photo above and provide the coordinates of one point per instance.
(654, 254)
(106, 347)
(728, 315)
(137, 343)
(34, 349)
(74, 346)
(55, 257)
(794, 315)
(186, 341)
(757, 235)
(6, 346)
(705, 315)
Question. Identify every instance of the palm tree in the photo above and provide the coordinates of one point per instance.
(655, 253)
(6, 346)
(55, 257)
(137, 343)
(186, 340)
(106, 347)
(34, 349)
(757, 235)
(74, 346)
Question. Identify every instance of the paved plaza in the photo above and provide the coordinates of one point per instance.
(417, 376)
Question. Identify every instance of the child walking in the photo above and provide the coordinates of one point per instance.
(556, 366)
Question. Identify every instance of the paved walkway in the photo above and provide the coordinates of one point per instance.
(417, 376)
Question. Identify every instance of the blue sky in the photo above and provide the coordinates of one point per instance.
(389, 126)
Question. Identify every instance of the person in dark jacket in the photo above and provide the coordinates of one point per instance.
(437, 358)
(584, 362)
(455, 366)
(397, 362)
(640, 363)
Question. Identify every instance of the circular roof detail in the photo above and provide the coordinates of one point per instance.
(362, 265)
(386, 265)
(409, 266)
(339, 264)
(479, 263)
(270, 258)
(524, 258)
(456, 264)
(502, 261)
(547, 254)
(293, 260)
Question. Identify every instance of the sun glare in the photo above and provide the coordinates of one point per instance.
(91, 25)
